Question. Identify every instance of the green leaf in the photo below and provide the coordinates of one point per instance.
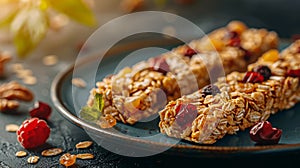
(76, 10)
(29, 27)
(93, 113)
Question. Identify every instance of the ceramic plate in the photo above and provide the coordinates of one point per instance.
(142, 136)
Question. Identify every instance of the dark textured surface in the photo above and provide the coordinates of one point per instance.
(277, 15)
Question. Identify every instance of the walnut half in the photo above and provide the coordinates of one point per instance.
(3, 59)
(11, 93)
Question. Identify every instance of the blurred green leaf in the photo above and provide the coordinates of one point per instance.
(28, 27)
(7, 20)
(75, 9)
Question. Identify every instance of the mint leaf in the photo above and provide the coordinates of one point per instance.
(93, 113)
(75, 9)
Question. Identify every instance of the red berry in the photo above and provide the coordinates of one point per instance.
(253, 77)
(234, 39)
(33, 133)
(190, 52)
(41, 110)
(186, 114)
(293, 72)
(159, 64)
(264, 133)
(263, 70)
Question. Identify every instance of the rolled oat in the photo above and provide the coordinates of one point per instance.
(248, 104)
(183, 70)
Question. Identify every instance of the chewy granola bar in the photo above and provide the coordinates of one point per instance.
(237, 101)
(140, 91)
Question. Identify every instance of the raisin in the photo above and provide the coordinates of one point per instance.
(210, 90)
(186, 114)
(253, 77)
(264, 133)
(263, 70)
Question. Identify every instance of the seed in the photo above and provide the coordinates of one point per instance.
(11, 127)
(52, 152)
(84, 144)
(67, 159)
(50, 60)
(79, 82)
(33, 159)
(85, 156)
(21, 154)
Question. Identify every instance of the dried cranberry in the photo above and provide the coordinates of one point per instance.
(159, 64)
(210, 90)
(186, 114)
(253, 77)
(293, 73)
(41, 110)
(190, 52)
(263, 70)
(234, 39)
(264, 133)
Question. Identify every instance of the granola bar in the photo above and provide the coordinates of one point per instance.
(140, 91)
(237, 101)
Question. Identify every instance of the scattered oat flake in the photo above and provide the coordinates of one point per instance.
(79, 82)
(21, 154)
(84, 144)
(85, 156)
(16, 67)
(52, 152)
(33, 159)
(29, 80)
(50, 60)
(11, 127)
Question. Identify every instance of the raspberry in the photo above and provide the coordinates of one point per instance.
(41, 110)
(33, 133)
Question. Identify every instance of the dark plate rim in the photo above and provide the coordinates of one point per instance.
(198, 148)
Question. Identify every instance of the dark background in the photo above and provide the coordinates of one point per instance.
(281, 16)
